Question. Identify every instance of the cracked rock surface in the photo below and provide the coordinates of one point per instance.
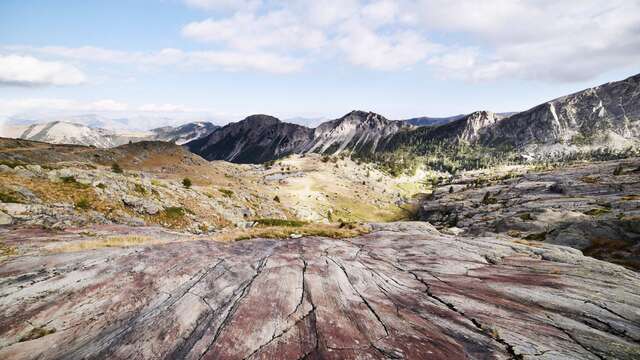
(403, 291)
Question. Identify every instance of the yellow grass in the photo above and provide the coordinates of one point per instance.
(112, 241)
(284, 232)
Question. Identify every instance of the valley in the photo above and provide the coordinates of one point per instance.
(480, 236)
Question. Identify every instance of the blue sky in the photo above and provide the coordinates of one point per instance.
(180, 60)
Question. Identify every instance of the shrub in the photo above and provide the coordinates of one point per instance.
(450, 189)
(115, 167)
(226, 192)
(618, 170)
(488, 199)
(83, 204)
(9, 197)
(101, 186)
(72, 181)
(525, 217)
(174, 212)
(556, 188)
(536, 236)
(186, 182)
(140, 189)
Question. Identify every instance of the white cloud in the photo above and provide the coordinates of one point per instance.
(247, 31)
(382, 11)
(29, 71)
(570, 40)
(224, 4)
(231, 60)
(363, 46)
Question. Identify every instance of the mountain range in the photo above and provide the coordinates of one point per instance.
(606, 116)
(63, 132)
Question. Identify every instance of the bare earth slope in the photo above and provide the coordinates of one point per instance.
(404, 291)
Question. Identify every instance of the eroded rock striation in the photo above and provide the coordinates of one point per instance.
(403, 291)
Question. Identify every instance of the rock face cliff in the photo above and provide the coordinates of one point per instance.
(357, 131)
(606, 115)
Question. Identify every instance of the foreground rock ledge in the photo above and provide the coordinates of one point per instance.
(404, 291)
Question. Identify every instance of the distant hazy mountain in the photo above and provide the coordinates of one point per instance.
(432, 121)
(59, 132)
(184, 133)
(63, 132)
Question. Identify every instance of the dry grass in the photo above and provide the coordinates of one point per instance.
(631, 197)
(590, 179)
(284, 232)
(528, 243)
(6, 250)
(112, 241)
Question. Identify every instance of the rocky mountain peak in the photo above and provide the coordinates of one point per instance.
(260, 120)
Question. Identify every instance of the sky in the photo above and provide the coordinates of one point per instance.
(159, 62)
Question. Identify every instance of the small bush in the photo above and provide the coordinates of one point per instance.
(226, 192)
(9, 197)
(115, 167)
(83, 204)
(186, 182)
(450, 189)
(597, 211)
(536, 236)
(525, 217)
(618, 170)
(72, 181)
(140, 189)
(174, 212)
(101, 186)
(488, 199)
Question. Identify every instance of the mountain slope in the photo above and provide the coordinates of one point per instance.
(63, 132)
(606, 115)
(258, 138)
(357, 131)
(60, 132)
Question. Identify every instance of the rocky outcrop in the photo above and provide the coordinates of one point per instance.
(591, 207)
(404, 291)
